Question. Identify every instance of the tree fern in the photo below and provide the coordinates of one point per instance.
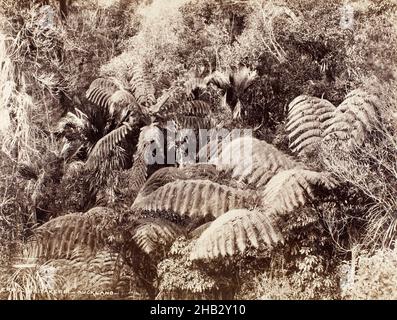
(253, 161)
(194, 114)
(198, 198)
(142, 88)
(355, 118)
(292, 189)
(150, 234)
(234, 231)
(101, 91)
(60, 236)
(306, 116)
(312, 120)
(170, 174)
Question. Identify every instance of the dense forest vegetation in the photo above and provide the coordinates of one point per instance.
(87, 88)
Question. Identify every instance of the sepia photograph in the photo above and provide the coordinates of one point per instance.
(213, 150)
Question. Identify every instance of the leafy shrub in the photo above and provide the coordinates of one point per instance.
(375, 277)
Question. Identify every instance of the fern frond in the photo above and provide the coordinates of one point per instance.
(355, 118)
(234, 231)
(253, 161)
(292, 189)
(306, 116)
(196, 198)
(138, 172)
(195, 83)
(142, 88)
(170, 174)
(101, 90)
(197, 108)
(106, 145)
(60, 236)
(122, 102)
(219, 79)
(103, 271)
(193, 122)
(152, 233)
(160, 105)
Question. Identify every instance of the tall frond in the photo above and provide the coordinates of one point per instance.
(355, 118)
(138, 173)
(219, 79)
(121, 103)
(106, 145)
(170, 174)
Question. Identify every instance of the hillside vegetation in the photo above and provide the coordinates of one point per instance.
(87, 88)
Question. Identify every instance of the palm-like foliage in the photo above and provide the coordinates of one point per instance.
(234, 84)
(129, 111)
